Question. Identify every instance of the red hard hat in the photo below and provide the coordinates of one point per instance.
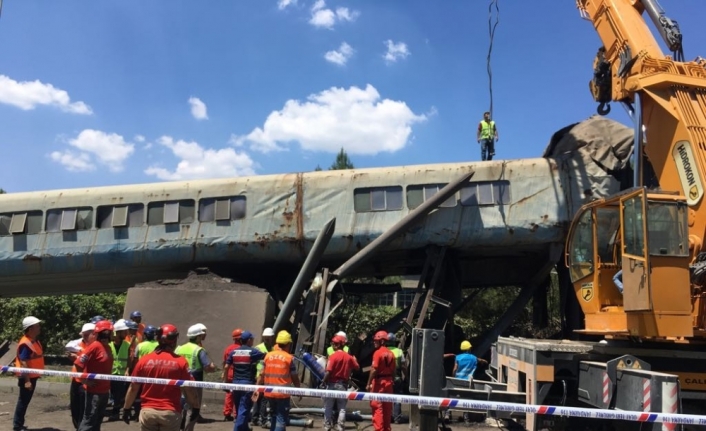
(167, 332)
(337, 339)
(237, 333)
(380, 336)
(103, 325)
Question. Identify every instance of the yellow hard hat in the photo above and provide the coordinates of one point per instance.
(283, 337)
(465, 345)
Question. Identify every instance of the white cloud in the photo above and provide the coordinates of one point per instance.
(321, 16)
(139, 138)
(27, 95)
(197, 162)
(198, 108)
(340, 57)
(95, 147)
(395, 51)
(282, 4)
(355, 119)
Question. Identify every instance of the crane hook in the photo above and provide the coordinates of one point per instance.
(603, 108)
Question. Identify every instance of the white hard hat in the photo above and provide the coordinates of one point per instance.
(342, 334)
(268, 332)
(196, 330)
(29, 321)
(120, 325)
(87, 327)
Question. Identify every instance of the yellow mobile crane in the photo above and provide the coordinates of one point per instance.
(649, 238)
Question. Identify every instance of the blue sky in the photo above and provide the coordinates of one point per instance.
(117, 92)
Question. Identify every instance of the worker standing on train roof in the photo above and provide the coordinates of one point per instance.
(228, 411)
(243, 360)
(199, 363)
(161, 405)
(77, 394)
(97, 358)
(339, 367)
(259, 414)
(279, 370)
(342, 334)
(400, 375)
(29, 355)
(381, 380)
(136, 317)
(487, 135)
(120, 348)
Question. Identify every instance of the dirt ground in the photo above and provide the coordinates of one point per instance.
(51, 413)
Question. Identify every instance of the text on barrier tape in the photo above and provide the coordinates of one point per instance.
(672, 418)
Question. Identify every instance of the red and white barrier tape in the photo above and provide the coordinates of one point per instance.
(442, 403)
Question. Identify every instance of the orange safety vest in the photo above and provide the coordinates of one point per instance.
(36, 361)
(277, 372)
(83, 346)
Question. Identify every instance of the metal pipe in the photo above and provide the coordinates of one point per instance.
(350, 416)
(305, 273)
(380, 242)
(637, 141)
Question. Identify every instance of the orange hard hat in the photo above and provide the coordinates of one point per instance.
(380, 336)
(337, 339)
(237, 333)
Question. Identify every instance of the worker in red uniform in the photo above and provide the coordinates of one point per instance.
(77, 395)
(29, 355)
(97, 358)
(338, 371)
(229, 413)
(381, 380)
(161, 405)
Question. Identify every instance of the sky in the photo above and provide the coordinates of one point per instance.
(114, 92)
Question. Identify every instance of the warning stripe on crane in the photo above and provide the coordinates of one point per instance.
(646, 395)
(422, 401)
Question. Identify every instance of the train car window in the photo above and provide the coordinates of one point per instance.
(220, 209)
(486, 193)
(132, 215)
(68, 219)
(418, 193)
(29, 222)
(377, 199)
(182, 212)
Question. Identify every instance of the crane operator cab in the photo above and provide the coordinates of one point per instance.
(644, 235)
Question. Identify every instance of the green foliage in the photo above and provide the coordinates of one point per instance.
(360, 318)
(63, 316)
(342, 161)
(318, 168)
(2, 191)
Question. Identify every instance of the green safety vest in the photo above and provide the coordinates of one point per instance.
(261, 364)
(146, 347)
(399, 354)
(190, 352)
(487, 129)
(120, 358)
(330, 350)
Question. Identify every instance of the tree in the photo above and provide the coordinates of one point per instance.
(342, 161)
(2, 191)
(318, 168)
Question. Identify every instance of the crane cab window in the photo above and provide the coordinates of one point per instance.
(26, 222)
(607, 224)
(132, 215)
(222, 209)
(170, 212)
(371, 199)
(633, 225)
(581, 247)
(667, 228)
(69, 219)
(416, 194)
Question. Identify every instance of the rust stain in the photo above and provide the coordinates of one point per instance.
(530, 196)
(299, 207)
(533, 227)
(32, 258)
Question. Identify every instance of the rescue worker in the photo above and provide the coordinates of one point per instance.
(149, 344)
(136, 317)
(342, 334)
(97, 358)
(259, 415)
(338, 372)
(161, 405)
(464, 367)
(96, 319)
(243, 360)
(199, 363)
(279, 370)
(228, 411)
(400, 376)
(381, 380)
(486, 135)
(77, 395)
(120, 348)
(133, 339)
(29, 355)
